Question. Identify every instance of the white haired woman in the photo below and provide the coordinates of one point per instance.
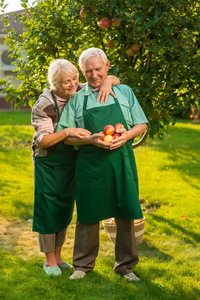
(54, 162)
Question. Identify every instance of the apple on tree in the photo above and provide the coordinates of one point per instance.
(111, 44)
(130, 52)
(104, 23)
(116, 22)
(135, 47)
(82, 14)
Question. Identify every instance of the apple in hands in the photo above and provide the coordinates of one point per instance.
(118, 126)
(108, 138)
(116, 135)
(103, 135)
(109, 130)
(109, 134)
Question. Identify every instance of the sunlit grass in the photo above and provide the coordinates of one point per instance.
(169, 173)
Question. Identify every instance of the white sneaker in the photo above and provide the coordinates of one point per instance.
(77, 275)
(131, 277)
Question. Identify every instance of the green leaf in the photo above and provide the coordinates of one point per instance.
(7, 97)
(113, 3)
(167, 29)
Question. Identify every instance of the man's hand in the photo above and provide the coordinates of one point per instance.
(127, 135)
(120, 141)
(96, 141)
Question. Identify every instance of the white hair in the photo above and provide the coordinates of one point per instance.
(56, 70)
(91, 52)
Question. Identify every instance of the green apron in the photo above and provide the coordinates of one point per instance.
(54, 188)
(106, 181)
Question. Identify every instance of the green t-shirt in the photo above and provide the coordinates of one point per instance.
(72, 114)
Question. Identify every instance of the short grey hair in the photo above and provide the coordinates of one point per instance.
(56, 70)
(91, 52)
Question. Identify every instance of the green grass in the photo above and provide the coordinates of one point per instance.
(169, 173)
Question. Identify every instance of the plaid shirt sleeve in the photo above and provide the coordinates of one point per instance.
(44, 120)
(41, 121)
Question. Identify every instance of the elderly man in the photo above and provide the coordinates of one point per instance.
(106, 176)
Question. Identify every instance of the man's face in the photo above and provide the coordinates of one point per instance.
(95, 71)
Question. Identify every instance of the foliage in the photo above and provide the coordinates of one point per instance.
(169, 254)
(163, 72)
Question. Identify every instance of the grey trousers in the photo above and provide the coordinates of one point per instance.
(48, 242)
(86, 246)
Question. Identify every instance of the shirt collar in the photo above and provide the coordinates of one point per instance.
(88, 89)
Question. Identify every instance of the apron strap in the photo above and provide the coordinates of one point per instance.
(56, 104)
(85, 102)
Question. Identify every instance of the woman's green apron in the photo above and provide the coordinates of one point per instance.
(54, 188)
(106, 180)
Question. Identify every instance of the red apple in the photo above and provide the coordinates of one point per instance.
(135, 47)
(130, 52)
(102, 132)
(116, 135)
(82, 14)
(116, 22)
(104, 23)
(111, 44)
(118, 126)
(109, 129)
(108, 138)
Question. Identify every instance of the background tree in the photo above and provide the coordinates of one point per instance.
(153, 46)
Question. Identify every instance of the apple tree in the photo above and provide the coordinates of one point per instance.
(152, 45)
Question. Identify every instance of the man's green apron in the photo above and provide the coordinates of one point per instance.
(106, 180)
(54, 188)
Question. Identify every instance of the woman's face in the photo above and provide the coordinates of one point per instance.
(68, 85)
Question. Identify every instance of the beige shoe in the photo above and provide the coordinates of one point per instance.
(77, 275)
(131, 277)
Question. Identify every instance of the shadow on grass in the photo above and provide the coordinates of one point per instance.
(182, 147)
(191, 237)
(24, 210)
(150, 251)
(30, 282)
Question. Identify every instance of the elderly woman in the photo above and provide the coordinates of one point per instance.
(54, 162)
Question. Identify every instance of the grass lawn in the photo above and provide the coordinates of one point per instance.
(169, 266)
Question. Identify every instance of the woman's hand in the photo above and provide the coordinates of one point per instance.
(77, 132)
(106, 88)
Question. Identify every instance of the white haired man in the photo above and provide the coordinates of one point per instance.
(106, 183)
